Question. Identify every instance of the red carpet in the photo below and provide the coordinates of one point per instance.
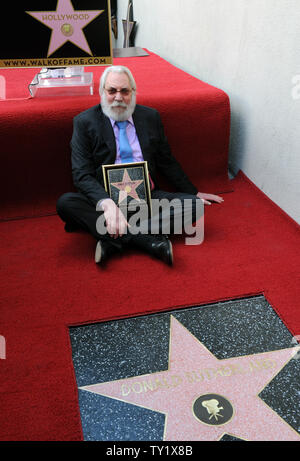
(49, 281)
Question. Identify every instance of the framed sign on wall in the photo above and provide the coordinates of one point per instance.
(63, 33)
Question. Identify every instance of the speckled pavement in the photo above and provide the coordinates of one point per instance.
(224, 371)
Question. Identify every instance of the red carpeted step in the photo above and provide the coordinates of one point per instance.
(36, 133)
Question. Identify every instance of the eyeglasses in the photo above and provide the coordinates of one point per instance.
(113, 91)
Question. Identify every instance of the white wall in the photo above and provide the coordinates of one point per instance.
(251, 50)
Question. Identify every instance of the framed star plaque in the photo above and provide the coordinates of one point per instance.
(63, 33)
(128, 186)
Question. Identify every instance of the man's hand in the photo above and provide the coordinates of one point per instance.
(208, 198)
(115, 221)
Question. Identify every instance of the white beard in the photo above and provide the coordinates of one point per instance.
(112, 111)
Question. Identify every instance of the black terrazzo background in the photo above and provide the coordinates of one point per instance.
(131, 347)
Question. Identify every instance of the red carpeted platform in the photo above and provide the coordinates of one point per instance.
(35, 133)
(49, 280)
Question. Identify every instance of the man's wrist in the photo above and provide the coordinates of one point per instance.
(103, 204)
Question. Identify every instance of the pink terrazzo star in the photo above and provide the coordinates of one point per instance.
(127, 187)
(66, 24)
(194, 372)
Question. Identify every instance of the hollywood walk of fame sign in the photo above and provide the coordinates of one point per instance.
(62, 33)
(202, 397)
(128, 186)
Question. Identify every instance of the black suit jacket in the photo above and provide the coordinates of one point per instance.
(93, 145)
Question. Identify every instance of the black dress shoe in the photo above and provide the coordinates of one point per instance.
(162, 249)
(158, 246)
(104, 250)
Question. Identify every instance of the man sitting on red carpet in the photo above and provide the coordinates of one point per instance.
(97, 141)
